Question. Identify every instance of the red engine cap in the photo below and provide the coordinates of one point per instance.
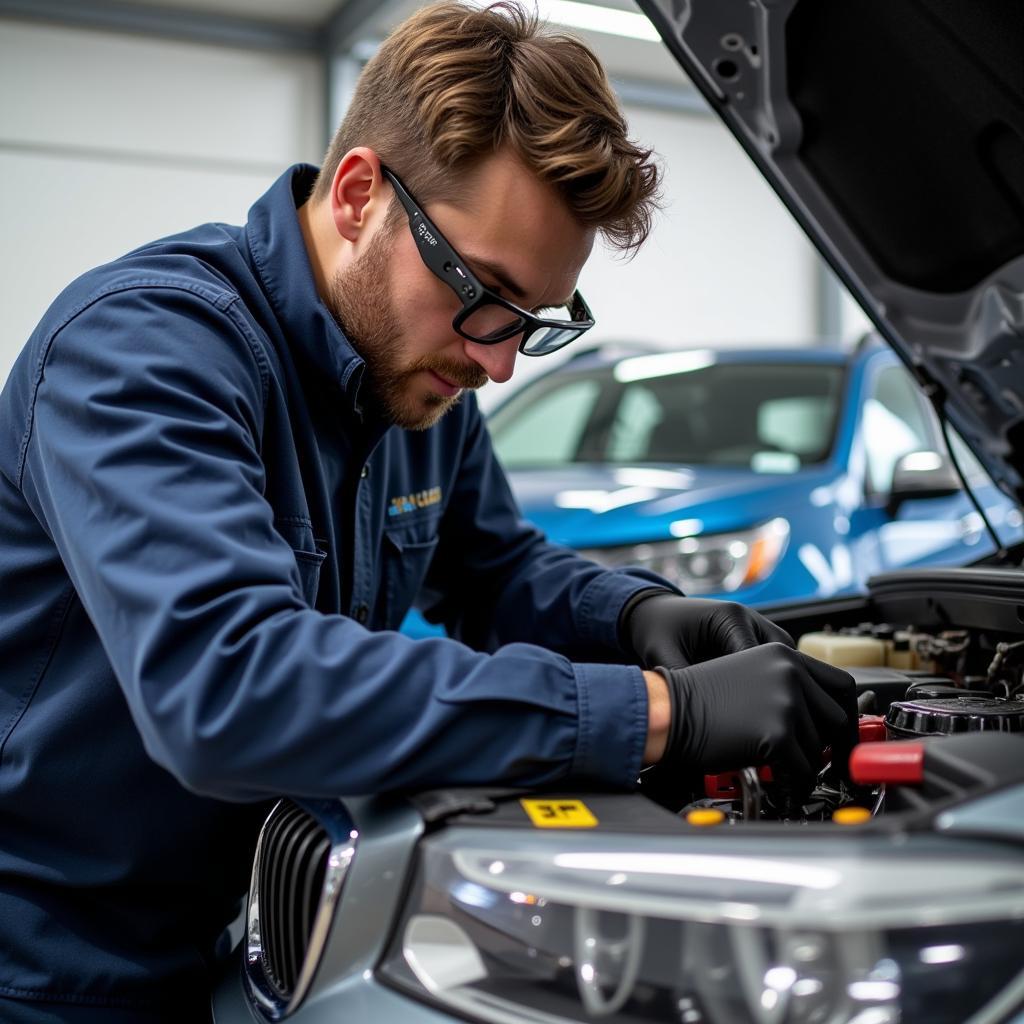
(871, 728)
(887, 762)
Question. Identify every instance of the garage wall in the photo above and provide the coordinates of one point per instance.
(108, 141)
(725, 264)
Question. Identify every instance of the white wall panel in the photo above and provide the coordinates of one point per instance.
(63, 215)
(726, 263)
(139, 95)
(108, 141)
(853, 319)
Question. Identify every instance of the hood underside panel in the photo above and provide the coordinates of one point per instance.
(897, 164)
(894, 131)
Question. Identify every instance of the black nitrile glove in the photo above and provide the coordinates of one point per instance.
(663, 629)
(767, 705)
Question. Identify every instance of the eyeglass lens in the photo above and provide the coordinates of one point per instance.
(548, 339)
(492, 323)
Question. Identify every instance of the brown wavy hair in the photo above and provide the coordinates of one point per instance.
(453, 84)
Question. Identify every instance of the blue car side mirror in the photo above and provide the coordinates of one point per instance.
(923, 474)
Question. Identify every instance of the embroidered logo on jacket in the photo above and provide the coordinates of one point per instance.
(410, 502)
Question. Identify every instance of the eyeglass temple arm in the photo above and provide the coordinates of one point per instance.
(442, 260)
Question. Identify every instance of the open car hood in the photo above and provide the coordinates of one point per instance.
(894, 132)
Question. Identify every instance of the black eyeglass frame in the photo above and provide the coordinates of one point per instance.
(445, 263)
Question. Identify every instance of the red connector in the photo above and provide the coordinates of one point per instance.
(871, 763)
(871, 728)
(726, 785)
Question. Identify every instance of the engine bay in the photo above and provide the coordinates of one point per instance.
(941, 702)
(937, 657)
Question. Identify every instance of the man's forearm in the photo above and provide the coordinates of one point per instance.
(659, 716)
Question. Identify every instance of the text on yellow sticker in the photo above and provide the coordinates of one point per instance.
(559, 813)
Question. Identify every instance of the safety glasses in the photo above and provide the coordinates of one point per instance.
(485, 316)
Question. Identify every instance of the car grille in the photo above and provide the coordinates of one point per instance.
(292, 871)
(296, 881)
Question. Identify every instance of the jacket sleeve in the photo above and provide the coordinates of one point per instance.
(496, 579)
(142, 461)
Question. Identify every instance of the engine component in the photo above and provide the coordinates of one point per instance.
(950, 716)
(917, 773)
(911, 685)
(945, 653)
(844, 651)
(888, 763)
(871, 728)
(1002, 674)
(873, 645)
(889, 684)
(941, 691)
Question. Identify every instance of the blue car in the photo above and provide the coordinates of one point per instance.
(760, 475)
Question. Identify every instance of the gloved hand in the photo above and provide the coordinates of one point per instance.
(767, 705)
(664, 629)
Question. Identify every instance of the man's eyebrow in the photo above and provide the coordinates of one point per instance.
(502, 276)
(499, 273)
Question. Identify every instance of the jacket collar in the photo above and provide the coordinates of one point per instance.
(279, 253)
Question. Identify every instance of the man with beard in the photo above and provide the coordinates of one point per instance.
(231, 460)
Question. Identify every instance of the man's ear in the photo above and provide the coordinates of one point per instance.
(356, 192)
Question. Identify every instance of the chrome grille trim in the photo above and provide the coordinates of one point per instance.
(297, 877)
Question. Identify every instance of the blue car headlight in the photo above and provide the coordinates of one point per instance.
(707, 563)
(503, 928)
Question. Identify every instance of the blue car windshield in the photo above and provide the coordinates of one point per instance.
(770, 417)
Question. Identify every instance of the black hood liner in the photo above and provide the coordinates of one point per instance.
(897, 164)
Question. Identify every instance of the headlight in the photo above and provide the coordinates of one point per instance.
(505, 928)
(709, 563)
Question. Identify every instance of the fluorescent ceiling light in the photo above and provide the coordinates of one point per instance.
(594, 17)
(598, 19)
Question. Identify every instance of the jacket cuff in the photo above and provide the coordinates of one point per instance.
(599, 612)
(611, 723)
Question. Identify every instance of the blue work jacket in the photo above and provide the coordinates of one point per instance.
(206, 544)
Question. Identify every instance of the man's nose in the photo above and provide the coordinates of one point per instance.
(497, 361)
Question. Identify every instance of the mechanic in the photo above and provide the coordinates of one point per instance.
(230, 461)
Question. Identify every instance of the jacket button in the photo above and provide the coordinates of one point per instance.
(364, 472)
(362, 613)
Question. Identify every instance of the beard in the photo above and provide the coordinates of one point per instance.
(364, 307)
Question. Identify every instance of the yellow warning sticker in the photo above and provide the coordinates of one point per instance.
(559, 813)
